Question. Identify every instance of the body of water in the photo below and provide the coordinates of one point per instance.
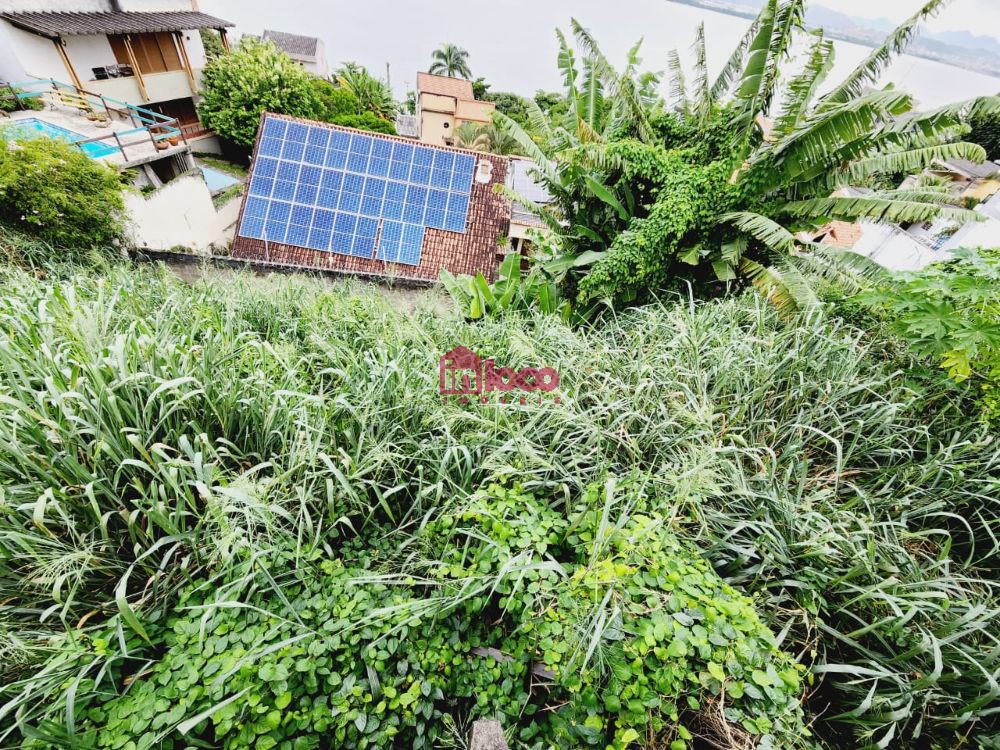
(513, 45)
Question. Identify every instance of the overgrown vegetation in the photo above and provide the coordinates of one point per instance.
(985, 130)
(173, 453)
(950, 313)
(58, 194)
(340, 105)
(223, 165)
(729, 181)
(239, 514)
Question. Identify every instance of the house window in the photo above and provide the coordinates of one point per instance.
(155, 53)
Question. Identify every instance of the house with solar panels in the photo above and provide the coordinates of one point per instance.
(146, 53)
(331, 198)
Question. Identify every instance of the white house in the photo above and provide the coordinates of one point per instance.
(142, 52)
(307, 51)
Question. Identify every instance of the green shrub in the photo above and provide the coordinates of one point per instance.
(365, 121)
(52, 190)
(9, 105)
(949, 313)
(255, 78)
(638, 635)
(335, 101)
(341, 106)
(986, 132)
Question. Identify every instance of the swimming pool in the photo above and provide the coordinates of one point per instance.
(217, 180)
(34, 128)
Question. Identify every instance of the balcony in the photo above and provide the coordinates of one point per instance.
(100, 126)
(160, 87)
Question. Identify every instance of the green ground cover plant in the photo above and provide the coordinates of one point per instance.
(726, 520)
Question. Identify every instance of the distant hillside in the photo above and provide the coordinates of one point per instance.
(959, 48)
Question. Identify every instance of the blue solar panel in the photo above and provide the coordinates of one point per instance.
(353, 193)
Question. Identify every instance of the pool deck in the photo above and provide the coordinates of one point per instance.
(138, 147)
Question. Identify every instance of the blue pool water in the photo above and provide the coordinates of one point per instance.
(217, 180)
(35, 128)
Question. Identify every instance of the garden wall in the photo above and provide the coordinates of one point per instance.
(180, 214)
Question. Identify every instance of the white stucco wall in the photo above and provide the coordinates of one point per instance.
(56, 6)
(180, 214)
(11, 68)
(984, 234)
(154, 5)
(892, 248)
(88, 52)
(26, 56)
(321, 67)
(195, 50)
(900, 251)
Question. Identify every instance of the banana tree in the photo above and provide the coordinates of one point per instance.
(731, 185)
(476, 298)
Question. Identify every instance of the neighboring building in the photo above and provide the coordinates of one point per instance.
(141, 52)
(522, 221)
(970, 180)
(839, 234)
(981, 234)
(910, 247)
(307, 51)
(893, 248)
(326, 197)
(408, 126)
(444, 104)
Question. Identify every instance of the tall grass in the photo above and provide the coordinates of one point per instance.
(153, 433)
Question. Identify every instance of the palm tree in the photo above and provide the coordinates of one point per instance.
(762, 167)
(487, 138)
(452, 61)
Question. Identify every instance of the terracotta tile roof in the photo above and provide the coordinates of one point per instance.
(457, 88)
(82, 24)
(293, 44)
(840, 234)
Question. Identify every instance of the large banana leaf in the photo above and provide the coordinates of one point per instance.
(877, 208)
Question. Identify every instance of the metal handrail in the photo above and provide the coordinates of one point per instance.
(156, 126)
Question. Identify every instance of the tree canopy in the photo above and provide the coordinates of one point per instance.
(255, 78)
(54, 191)
(985, 130)
(341, 106)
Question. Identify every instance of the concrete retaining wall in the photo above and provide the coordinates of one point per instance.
(180, 214)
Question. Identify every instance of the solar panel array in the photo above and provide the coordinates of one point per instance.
(353, 193)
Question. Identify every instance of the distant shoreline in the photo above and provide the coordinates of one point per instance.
(989, 69)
